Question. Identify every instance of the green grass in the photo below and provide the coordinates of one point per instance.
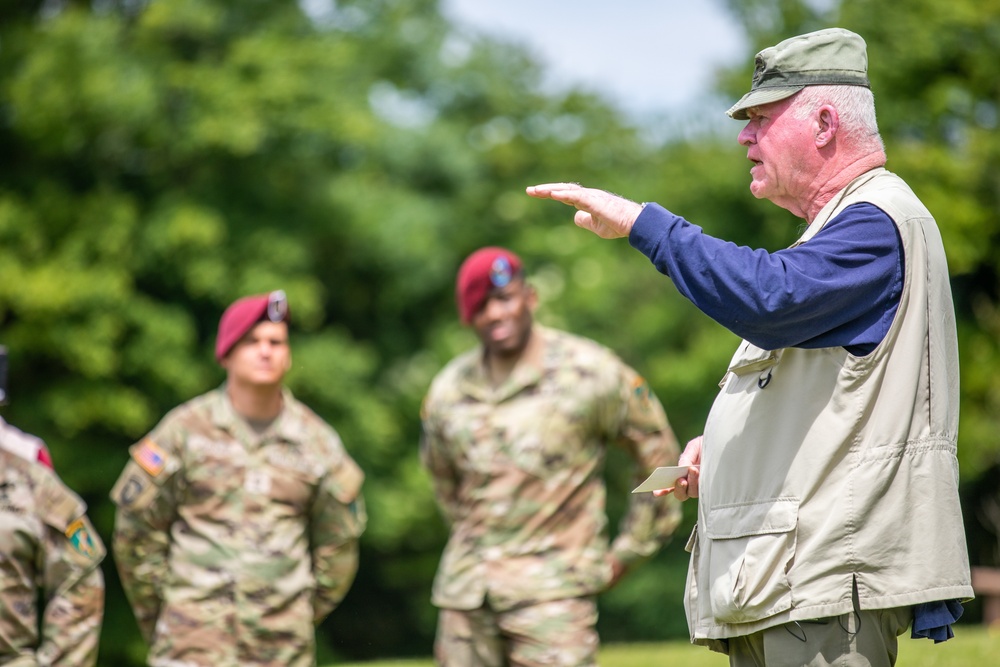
(973, 645)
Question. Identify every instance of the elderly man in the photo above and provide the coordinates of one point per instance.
(239, 515)
(827, 475)
(515, 433)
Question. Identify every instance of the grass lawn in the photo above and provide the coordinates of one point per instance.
(974, 646)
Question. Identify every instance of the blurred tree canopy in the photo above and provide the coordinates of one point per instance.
(164, 157)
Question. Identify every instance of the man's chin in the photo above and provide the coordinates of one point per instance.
(757, 190)
(508, 349)
(265, 381)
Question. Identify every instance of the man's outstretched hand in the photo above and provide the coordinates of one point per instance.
(607, 215)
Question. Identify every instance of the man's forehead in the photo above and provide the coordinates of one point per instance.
(267, 328)
(770, 108)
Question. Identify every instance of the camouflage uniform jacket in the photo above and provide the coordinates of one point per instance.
(231, 545)
(50, 555)
(518, 473)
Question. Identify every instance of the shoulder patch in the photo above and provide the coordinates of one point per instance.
(640, 388)
(81, 539)
(134, 488)
(150, 457)
(57, 505)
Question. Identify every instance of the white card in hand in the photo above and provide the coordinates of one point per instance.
(662, 478)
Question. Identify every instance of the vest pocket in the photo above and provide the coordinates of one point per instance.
(751, 548)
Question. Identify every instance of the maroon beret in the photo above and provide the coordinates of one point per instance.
(244, 313)
(480, 273)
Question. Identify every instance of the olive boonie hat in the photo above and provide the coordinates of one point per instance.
(826, 57)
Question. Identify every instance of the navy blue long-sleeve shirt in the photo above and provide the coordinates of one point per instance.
(839, 289)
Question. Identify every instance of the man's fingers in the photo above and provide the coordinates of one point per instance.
(574, 194)
(691, 482)
(585, 220)
(571, 194)
(686, 487)
(607, 215)
(545, 190)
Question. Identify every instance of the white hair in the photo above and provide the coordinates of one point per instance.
(855, 106)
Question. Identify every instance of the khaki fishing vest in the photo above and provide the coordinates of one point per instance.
(820, 468)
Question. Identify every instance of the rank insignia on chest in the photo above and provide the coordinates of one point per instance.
(150, 457)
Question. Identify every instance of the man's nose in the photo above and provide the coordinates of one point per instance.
(747, 136)
(493, 309)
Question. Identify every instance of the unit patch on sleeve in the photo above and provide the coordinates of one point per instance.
(79, 536)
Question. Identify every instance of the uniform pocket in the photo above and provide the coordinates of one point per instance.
(751, 548)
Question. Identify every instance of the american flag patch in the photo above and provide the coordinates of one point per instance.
(150, 457)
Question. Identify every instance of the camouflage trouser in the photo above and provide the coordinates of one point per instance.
(559, 633)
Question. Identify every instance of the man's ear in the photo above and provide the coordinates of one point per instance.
(827, 125)
(531, 296)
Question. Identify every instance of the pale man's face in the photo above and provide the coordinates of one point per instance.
(783, 151)
(261, 357)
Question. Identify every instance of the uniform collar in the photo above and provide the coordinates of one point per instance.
(286, 426)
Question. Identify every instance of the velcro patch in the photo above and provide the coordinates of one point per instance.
(133, 489)
(79, 536)
(641, 389)
(150, 457)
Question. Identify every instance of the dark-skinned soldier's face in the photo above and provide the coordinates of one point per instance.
(503, 323)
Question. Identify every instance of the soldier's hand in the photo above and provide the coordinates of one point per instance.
(618, 570)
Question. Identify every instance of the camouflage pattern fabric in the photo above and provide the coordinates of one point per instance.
(49, 555)
(231, 544)
(518, 473)
(558, 633)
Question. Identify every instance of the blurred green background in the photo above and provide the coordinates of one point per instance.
(161, 158)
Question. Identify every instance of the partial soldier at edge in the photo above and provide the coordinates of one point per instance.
(51, 584)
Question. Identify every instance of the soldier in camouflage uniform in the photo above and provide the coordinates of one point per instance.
(51, 585)
(239, 514)
(514, 436)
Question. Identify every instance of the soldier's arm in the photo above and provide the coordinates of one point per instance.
(434, 457)
(642, 428)
(71, 622)
(144, 497)
(72, 586)
(337, 521)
